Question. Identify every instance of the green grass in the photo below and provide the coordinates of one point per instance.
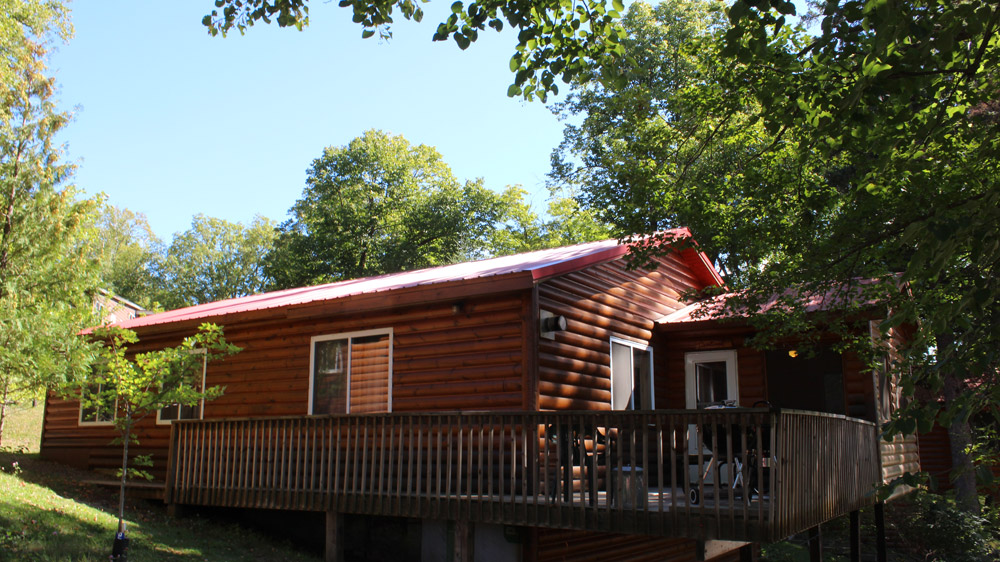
(22, 427)
(45, 514)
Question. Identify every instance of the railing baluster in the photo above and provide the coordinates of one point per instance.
(523, 468)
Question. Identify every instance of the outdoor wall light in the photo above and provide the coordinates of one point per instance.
(550, 324)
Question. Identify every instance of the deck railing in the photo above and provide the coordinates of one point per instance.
(735, 474)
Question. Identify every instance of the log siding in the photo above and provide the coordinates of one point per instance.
(464, 354)
(601, 302)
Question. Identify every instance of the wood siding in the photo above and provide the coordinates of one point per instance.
(750, 364)
(452, 355)
(599, 303)
(859, 398)
(935, 456)
(902, 454)
(561, 545)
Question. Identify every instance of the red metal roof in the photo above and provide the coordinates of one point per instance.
(541, 264)
(837, 296)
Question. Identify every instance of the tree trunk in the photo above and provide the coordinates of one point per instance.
(3, 409)
(121, 492)
(959, 437)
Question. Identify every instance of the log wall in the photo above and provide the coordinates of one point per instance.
(750, 363)
(562, 545)
(751, 369)
(599, 303)
(450, 355)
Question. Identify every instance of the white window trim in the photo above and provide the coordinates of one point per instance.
(85, 423)
(693, 358)
(644, 346)
(348, 336)
(201, 403)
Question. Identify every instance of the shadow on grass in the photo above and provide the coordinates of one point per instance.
(47, 514)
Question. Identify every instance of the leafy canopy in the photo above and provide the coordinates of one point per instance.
(906, 95)
(379, 205)
(215, 259)
(47, 278)
(129, 253)
(673, 146)
(555, 38)
(809, 161)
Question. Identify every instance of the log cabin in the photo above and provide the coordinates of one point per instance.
(552, 405)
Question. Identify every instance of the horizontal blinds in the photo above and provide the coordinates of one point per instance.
(370, 374)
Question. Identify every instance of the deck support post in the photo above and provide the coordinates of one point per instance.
(880, 532)
(748, 553)
(855, 536)
(815, 544)
(334, 551)
(463, 542)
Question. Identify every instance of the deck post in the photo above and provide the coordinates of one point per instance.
(815, 544)
(334, 534)
(880, 532)
(748, 553)
(855, 536)
(463, 542)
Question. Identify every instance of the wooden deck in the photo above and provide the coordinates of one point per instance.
(654, 472)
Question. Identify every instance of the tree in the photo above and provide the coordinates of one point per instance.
(520, 229)
(671, 146)
(905, 94)
(868, 151)
(129, 253)
(555, 39)
(47, 279)
(215, 259)
(25, 26)
(132, 387)
(379, 205)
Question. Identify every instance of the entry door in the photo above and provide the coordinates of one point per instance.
(710, 379)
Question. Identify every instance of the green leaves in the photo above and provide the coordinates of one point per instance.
(215, 259)
(556, 38)
(47, 275)
(379, 205)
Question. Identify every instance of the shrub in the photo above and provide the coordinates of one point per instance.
(939, 531)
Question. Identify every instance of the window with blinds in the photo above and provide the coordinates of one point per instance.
(351, 373)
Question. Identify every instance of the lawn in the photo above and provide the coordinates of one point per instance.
(22, 429)
(46, 514)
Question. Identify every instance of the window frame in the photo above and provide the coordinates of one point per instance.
(632, 345)
(349, 336)
(201, 403)
(692, 358)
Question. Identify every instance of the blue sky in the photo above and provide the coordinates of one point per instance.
(171, 122)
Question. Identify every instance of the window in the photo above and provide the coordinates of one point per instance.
(97, 406)
(183, 412)
(711, 378)
(631, 375)
(351, 373)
